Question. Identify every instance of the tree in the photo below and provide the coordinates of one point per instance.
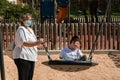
(13, 11)
(3, 7)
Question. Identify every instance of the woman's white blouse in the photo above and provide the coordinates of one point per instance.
(23, 52)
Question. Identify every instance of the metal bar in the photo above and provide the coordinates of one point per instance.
(98, 34)
(2, 71)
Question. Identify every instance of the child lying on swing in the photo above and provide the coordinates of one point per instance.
(73, 52)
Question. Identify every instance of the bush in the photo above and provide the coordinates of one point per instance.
(12, 11)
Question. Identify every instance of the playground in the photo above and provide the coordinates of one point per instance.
(108, 68)
(96, 34)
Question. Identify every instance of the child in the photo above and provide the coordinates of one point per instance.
(72, 52)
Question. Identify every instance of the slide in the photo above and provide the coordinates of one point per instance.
(63, 13)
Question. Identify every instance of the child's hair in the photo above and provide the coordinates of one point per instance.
(74, 39)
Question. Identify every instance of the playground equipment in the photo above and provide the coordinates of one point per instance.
(63, 62)
(63, 13)
(89, 59)
(63, 9)
(47, 10)
(64, 6)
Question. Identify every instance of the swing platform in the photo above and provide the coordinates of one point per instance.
(63, 62)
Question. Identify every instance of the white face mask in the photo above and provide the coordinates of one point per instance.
(28, 23)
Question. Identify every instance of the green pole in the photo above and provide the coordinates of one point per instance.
(2, 71)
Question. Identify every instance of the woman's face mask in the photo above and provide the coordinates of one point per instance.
(28, 23)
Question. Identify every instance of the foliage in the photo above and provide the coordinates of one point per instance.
(13, 11)
(115, 6)
(3, 6)
(102, 5)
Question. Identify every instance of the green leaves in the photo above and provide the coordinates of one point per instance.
(13, 11)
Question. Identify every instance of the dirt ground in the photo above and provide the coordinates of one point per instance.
(107, 69)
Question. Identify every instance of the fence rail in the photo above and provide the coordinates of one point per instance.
(113, 19)
(59, 35)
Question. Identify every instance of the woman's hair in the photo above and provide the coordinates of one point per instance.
(24, 17)
(74, 39)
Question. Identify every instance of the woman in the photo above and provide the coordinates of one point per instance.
(25, 52)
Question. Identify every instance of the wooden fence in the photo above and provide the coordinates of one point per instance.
(58, 36)
(113, 19)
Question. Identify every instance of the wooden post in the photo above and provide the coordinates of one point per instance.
(52, 35)
(64, 35)
(72, 28)
(89, 36)
(118, 35)
(98, 41)
(106, 35)
(110, 36)
(85, 36)
(6, 25)
(60, 36)
(68, 32)
(56, 31)
(81, 36)
(102, 37)
(114, 36)
(76, 29)
(93, 32)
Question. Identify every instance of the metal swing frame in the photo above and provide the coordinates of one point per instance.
(89, 60)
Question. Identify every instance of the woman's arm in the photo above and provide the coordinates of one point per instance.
(31, 44)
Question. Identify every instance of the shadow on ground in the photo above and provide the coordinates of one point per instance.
(68, 68)
(9, 54)
(116, 58)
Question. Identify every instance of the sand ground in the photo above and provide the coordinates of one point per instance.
(107, 69)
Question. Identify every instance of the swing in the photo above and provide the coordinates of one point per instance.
(64, 62)
(89, 61)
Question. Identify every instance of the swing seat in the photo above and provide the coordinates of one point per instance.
(63, 62)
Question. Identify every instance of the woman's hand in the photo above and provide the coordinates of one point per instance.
(42, 46)
(40, 41)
